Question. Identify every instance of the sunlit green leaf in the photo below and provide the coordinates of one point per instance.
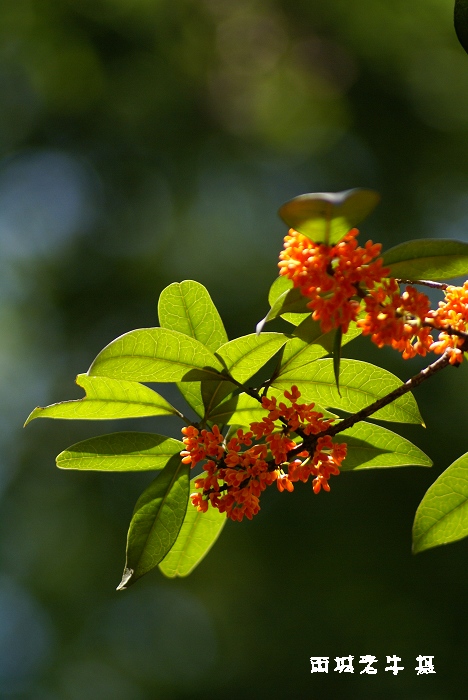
(197, 535)
(280, 285)
(156, 521)
(108, 398)
(290, 301)
(371, 446)
(337, 342)
(442, 516)
(120, 452)
(434, 259)
(244, 356)
(360, 383)
(328, 216)
(310, 344)
(188, 308)
(240, 410)
(244, 409)
(156, 355)
(203, 396)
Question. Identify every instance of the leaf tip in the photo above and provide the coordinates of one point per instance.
(32, 415)
(260, 325)
(127, 575)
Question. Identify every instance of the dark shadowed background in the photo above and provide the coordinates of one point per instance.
(144, 142)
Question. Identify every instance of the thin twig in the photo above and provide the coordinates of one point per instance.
(449, 330)
(364, 413)
(411, 384)
(425, 283)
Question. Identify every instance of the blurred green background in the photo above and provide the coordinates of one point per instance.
(149, 141)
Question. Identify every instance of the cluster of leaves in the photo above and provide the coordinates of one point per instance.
(218, 379)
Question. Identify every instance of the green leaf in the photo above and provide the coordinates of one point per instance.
(156, 521)
(371, 446)
(290, 301)
(197, 535)
(328, 216)
(244, 409)
(188, 308)
(108, 399)
(434, 259)
(120, 452)
(361, 384)
(244, 356)
(310, 344)
(156, 355)
(213, 393)
(280, 285)
(442, 516)
(337, 342)
(239, 410)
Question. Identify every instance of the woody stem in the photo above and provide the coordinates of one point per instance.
(411, 384)
(429, 371)
(425, 283)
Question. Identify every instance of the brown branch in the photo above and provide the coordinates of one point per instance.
(426, 373)
(425, 283)
(449, 330)
(411, 384)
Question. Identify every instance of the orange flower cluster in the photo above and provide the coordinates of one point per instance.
(331, 275)
(397, 319)
(452, 313)
(234, 478)
(337, 278)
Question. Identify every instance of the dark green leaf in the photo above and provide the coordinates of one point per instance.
(119, 452)
(442, 516)
(156, 355)
(433, 259)
(197, 535)
(156, 521)
(328, 216)
(371, 446)
(108, 398)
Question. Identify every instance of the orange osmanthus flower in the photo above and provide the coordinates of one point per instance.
(330, 275)
(234, 478)
(451, 313)
(397, 319)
